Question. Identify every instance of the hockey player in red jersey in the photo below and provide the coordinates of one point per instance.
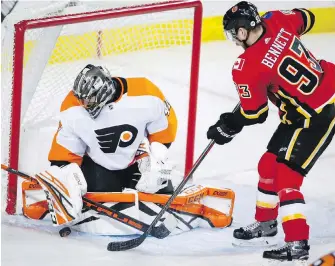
(276, 66)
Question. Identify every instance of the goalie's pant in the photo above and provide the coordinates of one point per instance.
(100, 179)
(291, 154)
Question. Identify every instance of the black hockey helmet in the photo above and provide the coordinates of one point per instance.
(94, 88)
(242, 15)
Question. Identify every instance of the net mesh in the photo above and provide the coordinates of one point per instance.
(53, 56)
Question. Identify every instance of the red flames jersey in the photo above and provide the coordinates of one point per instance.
(280, 68)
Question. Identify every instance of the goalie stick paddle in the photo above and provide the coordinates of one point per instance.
(159, 232)
(133, 243)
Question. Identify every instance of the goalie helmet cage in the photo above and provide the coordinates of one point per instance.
(21, 46)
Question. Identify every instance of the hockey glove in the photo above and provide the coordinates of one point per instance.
(155, 171)
(224, 130)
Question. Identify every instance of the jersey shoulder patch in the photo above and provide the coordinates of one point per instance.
(274, 16)
(245, 62)
(239, 63)
(69, 101)
(142, 87)
(267, 15)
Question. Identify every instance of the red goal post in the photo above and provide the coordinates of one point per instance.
(18, 68)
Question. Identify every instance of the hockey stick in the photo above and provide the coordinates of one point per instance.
(133, 243)
(159, 232)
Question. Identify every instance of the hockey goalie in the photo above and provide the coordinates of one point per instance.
(112, 146)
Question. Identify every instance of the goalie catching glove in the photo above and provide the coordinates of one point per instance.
(155, 172)
(64, 188)
(224, 130)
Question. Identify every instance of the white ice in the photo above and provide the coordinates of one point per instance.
(233, 166)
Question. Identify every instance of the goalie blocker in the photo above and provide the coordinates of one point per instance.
(196, 206)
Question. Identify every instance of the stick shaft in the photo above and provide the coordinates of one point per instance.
(133, 243)
(98, 207)
(181, 185)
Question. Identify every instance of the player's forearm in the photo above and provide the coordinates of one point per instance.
(246, 118)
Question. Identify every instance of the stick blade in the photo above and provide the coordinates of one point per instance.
(125, 245)
(160, 232)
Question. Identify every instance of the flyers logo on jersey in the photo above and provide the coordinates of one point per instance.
(238, 65)
(110, 138)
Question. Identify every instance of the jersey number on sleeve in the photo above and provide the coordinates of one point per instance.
(297, 73)
(244, 91)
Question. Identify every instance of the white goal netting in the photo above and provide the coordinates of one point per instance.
(152, 45)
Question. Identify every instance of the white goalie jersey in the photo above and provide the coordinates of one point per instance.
(113, 138)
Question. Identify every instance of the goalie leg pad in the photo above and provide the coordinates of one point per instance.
(196, 206)
(64, 188)
(34, 204)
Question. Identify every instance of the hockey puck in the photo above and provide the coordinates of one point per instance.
(65, 231)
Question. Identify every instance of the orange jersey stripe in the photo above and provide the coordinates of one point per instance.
(60, 153)
(142, 87)
(69, 101)
(167, 135)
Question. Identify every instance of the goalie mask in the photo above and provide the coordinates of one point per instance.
(94, 88)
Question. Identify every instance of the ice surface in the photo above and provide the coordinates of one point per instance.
(232, 166)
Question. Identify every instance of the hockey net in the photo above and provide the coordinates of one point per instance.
(42, 55)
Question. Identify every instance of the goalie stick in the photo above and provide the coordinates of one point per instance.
(159, 232)
(133, 243)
